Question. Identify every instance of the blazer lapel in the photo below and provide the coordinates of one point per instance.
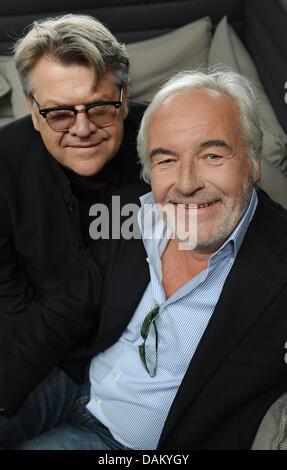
(124, 290)
(256, 277)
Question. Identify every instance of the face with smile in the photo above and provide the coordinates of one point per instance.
(84, 148)
(199, 167)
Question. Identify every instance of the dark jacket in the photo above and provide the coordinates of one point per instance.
(238, 369)
(40, 229)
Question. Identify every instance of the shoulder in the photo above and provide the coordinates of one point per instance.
(270, 222)
(23, 125)
(20, 144)
(270, 204)
(18, 136)
(270, 207)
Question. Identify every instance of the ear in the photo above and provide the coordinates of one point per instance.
(125, 102)
(34, 117)
(257, 174)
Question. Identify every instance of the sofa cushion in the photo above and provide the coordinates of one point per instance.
(5, 106)
(4, 86)
(272, 432)
(227, 48)
(273, 182)
(153, 61)
(9, 73)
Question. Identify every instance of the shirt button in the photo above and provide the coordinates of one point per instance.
(99, 402)
(118, 375)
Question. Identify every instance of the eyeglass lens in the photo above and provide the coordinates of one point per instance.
(101, 116)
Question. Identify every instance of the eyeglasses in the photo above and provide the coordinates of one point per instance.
(149, 346)
(62, 118)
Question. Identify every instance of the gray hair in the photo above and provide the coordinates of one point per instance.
(71, 39)
(219, 78)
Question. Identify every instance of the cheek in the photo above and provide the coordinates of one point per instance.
(228, 180)
(160, 185)
(52, 141)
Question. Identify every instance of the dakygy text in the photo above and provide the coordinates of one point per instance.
(177, 459)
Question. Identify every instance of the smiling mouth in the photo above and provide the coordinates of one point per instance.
(197, 206)
(85, 146)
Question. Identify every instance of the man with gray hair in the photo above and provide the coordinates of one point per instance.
(185, 331)
(77, 149)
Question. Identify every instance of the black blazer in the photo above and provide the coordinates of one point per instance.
(40, 230)
(238, 369)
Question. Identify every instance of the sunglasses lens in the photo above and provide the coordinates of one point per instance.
(148, 349)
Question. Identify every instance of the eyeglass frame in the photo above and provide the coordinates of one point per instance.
(150, 317)
(84, 109)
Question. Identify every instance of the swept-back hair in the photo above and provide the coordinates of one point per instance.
(219, 78)
(71, 39)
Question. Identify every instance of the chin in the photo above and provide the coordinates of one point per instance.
(85, 173)
(87, 168)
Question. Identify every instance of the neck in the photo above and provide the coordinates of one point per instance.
(179, 266)
(199, 255)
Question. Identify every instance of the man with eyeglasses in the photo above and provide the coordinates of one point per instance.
(79, 147)
(185, 325)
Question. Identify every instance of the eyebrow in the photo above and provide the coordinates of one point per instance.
(162, 151)
(214, 143)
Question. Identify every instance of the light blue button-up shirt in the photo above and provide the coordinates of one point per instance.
(133, 405)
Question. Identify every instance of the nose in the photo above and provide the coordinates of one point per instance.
(82, 127)
(189, 178)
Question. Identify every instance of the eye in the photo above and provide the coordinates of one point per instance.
(100, 110)
(213, 156)
(166, 161)
(163, 164)
(213, 159)
(59, 114)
